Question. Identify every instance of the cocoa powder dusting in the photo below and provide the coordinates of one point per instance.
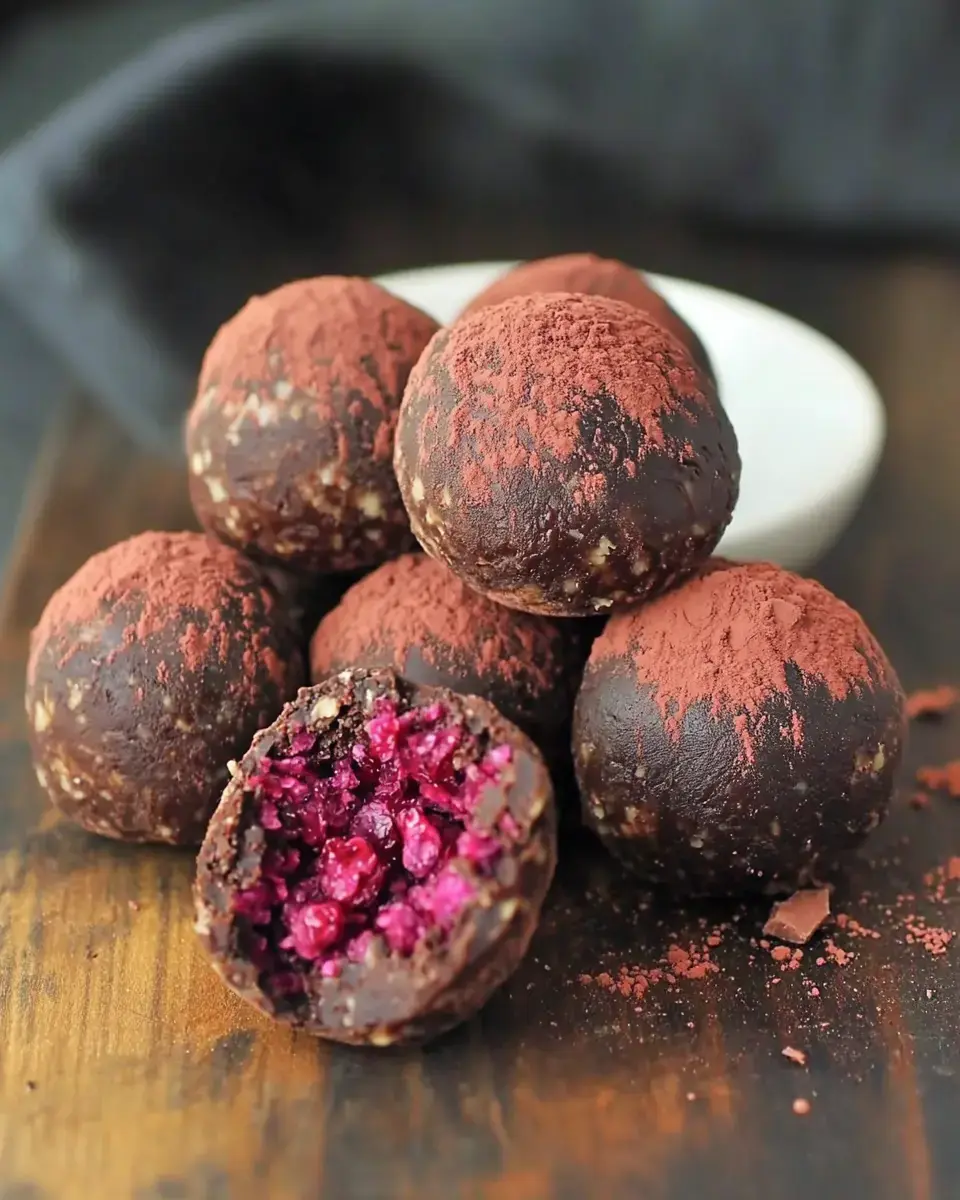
(314, 340)
(416, 602)
(533, 362)
(155, 575)
(725, 639)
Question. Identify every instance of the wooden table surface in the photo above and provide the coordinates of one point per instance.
(127, 1070)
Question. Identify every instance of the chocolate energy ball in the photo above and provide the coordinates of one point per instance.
(378, 862)
(290, 439)
(563, 454)
(593, 276)
(416, 617)
(739, 734)
(149, 670)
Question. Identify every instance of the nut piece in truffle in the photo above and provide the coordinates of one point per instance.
(149, 670)
(593, 276)
(416, 617)
(739, 734)
(290, 439)
(376, 867)
(565, 455)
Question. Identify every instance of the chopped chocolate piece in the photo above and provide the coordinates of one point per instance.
(798, 918)
(564, 455)
(290, 439)
(591, 275)
(795, 1056)
(377, 865)
(149, 669)
(741, 733)
(933, 703)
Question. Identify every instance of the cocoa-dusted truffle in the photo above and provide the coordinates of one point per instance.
(741, 733)
(564, 454)
(290, 439)
(377, 865)
(416, 617)
(149, 670)
(593, 276)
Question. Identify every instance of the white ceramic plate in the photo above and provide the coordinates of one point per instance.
(809, 420)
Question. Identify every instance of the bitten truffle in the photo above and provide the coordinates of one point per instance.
(593, 276)
(565, 455)
(149, 670)
(739, 734)
(290, 439)
(377, 865)
(415, 616)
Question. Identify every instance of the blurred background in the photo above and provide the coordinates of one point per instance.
(162, 159)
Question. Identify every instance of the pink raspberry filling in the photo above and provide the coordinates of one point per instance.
(381, 843)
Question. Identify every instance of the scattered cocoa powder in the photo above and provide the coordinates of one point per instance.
(691, 962)
(941, 779)
(932, 703)
(836, 954)
(797, 918)
(739, 625)
(933, 938)
(854, 928)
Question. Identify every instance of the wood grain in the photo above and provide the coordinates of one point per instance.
(128, 1071)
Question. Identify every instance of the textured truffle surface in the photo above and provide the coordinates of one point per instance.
(593, 276)
(377, 865)
(415, 616)
(564, 454)
(290, 439)
(149, 670)
(739, 734)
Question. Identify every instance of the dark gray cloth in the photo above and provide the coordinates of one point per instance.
(233, 156)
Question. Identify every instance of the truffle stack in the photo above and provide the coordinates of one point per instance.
(377, 861)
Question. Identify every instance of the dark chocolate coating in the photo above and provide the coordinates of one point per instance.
(594, 276)
(130, 739)
(689, 813)
(387, 999)
(532, 682)
(290, 439)
(532, 541)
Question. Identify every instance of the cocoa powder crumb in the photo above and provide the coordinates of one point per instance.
(801, 1107)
